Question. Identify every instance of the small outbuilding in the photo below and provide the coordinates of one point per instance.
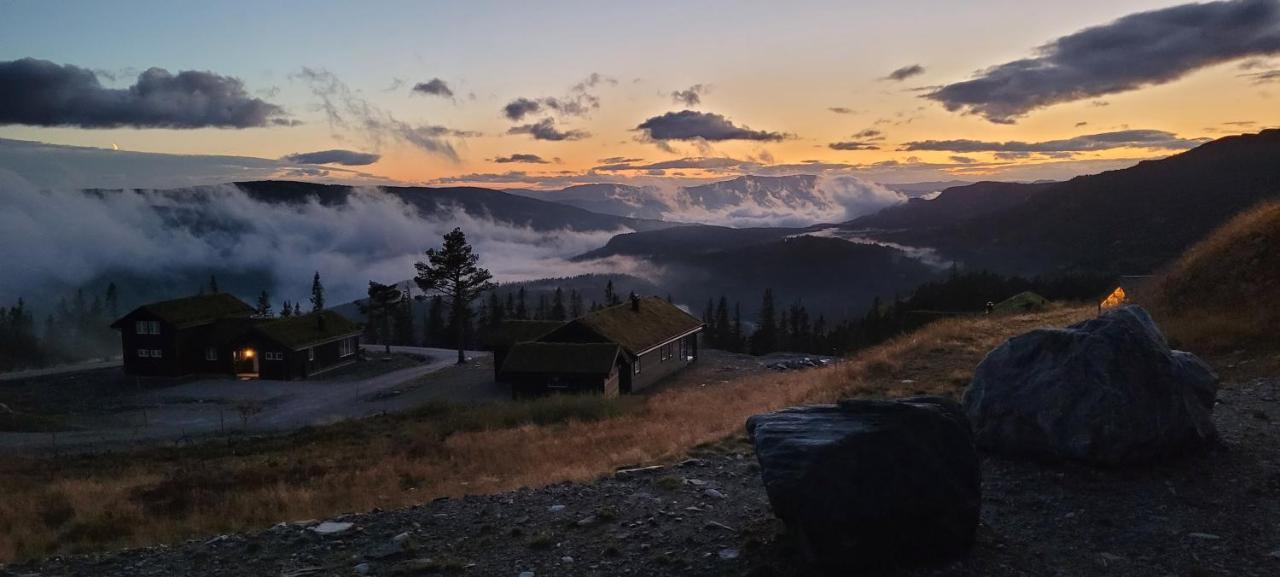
(535, 368)
(182, 336)
(501, 338)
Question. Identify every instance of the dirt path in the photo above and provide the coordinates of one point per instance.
(220, 406)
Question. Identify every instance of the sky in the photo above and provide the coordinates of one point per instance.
(549, 94)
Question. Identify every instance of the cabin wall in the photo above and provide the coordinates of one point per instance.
(653, 368)
(527, 385)
(130, 341)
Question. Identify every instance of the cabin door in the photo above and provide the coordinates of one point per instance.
(246, 363)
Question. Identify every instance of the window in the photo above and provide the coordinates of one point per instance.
(146, 327)
(684, 349)
(311, 354)
(142, 353)
(636, 367)
(344, 347)
(210, 353)
(154, 353)
(275, 356)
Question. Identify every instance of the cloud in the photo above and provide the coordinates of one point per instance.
(335, 156)
(691, 96)
(579, 102)
(693, 125)
(346, 109)
(42, 93)
(545, 129)
(433, 87)
(1142, 49)
(852, 145)
(842, 110)
(962, 159)
(58, 235)
(1150, 139)
(521, 158)
(1264, 77)
(699, 163)
(904, 73)
(870, 134)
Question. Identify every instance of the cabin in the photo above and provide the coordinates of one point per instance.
(184, 336)
(218, 334)
(507, 334)
(1127, 287)
(297, 347)
(643, 341)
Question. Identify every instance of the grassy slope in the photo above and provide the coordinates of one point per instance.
(1223, 295)
(167, 495)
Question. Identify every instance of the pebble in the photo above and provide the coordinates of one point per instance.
(714, 494)
(362, 568)
(526, 574)
(1206, 536)
(728, 554)
(556, 508)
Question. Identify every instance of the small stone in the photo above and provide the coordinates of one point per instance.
(728, 554)
(695, 482)
(566, 559)
(556, 508)
(362, 569)
(526, 574)
(585, 521)
(1275, 554)
(714, 494)
(1205, 536)
(332, 528)
(719, 525)
(401, 538)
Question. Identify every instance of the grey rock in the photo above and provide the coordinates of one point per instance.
(330, 528)
(1108, 390)
(867, 484)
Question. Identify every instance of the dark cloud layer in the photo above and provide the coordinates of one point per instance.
(42, 93)
(691, 96)
(1152, 139)
(905, 72)
(521, 158)
(433, 87)
(1141, 49)
(693, 125)
(699, 163)
(335, 156)
(545, 129)
(852, 145)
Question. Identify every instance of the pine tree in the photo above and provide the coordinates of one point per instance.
(575, 304)
(297, 309)
(724, 330)
(610, 296)
(765, 338)
(264, 303)
(522, 310)
(213, 285)
(286, 310)
(497, 312)
(454, 271)
(317, 293)
(558, 312)
(435, 322)
(383, 304)
(709, 324)
(541, 312)
(113, 301)
(736, 345)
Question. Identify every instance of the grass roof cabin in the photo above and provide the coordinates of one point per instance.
(297, 347)
(186, 336)
(1023, 302)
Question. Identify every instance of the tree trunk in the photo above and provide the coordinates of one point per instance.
(459, 319)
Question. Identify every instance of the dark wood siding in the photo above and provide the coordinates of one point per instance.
(525, 385)
(298, 364)
(663, 361)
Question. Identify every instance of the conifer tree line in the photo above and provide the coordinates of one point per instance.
(78, 328)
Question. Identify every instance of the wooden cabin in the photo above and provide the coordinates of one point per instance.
(535, 368)
(654, 339)
(1127, 288)
(182, 336)
(507, 334)
(298, 347)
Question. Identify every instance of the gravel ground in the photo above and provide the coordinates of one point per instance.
(1209, 514)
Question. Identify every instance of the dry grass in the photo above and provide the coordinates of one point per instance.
(168, 495)
(1223, 295)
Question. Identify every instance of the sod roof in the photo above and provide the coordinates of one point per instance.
(563, 358)
(510, 332)
(1022, 302)
(653, 322)
(303, 331)
(194, 311)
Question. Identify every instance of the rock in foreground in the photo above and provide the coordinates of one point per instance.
(1108, 390)
(870, 484)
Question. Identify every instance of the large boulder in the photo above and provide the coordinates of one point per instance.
(872, 484)
(1107, 390)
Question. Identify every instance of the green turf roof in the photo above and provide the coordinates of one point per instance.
(302, 331)
(510, 332)
(654, 322)
(196, 310)
(563, 358)
(1021, 302)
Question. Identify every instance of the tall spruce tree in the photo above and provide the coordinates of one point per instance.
(454, 271)
(213, 285)
(764, 339)
(558, 312)
(317, 293)
(264, 304)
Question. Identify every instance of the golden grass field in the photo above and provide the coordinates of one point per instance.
(168, 495)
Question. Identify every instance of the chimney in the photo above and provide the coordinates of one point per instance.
(320, 322)
(635, 302)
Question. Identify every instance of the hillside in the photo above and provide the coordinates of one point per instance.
(952, 205)
(1224, 293)
(1124, 221)
(606, 198)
